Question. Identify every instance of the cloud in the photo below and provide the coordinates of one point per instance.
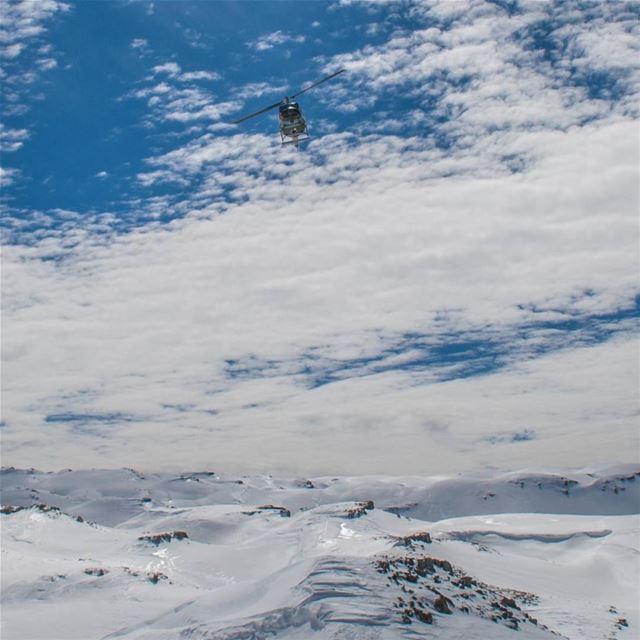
(7, 176)
(173, 70)
(47, 63)
(23, 22)
(475, 68)
(102, 174)
(12, 50)
(12, 139)
(271, 40)
(335, 260)
(23, 27)
(189, 76)
(170, 68)
(259, 89)
(139, 43)
(467, 261)
(176, 99)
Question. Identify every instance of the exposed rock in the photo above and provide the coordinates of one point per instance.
(408, 541)
(360, 509)
(509, 602)
(155, 576)
(424, 616)
(399, 510)
(55, 578)
(430, 565)
(42, 508)
(159, 538)
(10, 508)
(442, 604)
(284, 512)
(152, 576)
(135, 473)
(465, 582)
(437, 587)
(413, 610)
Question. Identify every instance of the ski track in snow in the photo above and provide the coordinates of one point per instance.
(117, 554)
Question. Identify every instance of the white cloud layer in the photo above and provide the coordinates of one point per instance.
(513, 221)
(481, 69)
(142, 328)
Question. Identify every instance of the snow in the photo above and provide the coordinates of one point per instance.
(281, 558)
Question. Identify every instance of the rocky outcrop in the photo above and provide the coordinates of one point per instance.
(10, 508)
(432, 587)
(159, 538)
(415, 538)
(442, 604)
(41, 508)
(360, 509)
(154, 577)
(284, 512)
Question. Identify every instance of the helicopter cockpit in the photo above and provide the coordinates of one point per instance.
(289, 111)
(292, 122)
(290, 116)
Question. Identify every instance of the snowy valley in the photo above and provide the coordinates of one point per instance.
(106, 554)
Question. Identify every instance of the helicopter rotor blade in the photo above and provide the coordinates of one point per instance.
(277, 104)
(315, 84)
(257, 113)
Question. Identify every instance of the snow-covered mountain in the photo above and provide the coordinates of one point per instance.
(118, 554)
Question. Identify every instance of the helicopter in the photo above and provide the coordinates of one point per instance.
(293, 126)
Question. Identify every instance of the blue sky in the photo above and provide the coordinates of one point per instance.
(87, 115)
(448, 270)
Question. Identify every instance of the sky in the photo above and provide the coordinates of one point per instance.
(443, 279)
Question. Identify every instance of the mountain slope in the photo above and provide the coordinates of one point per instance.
(119, 554)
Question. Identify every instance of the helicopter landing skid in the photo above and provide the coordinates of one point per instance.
(297, 141)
